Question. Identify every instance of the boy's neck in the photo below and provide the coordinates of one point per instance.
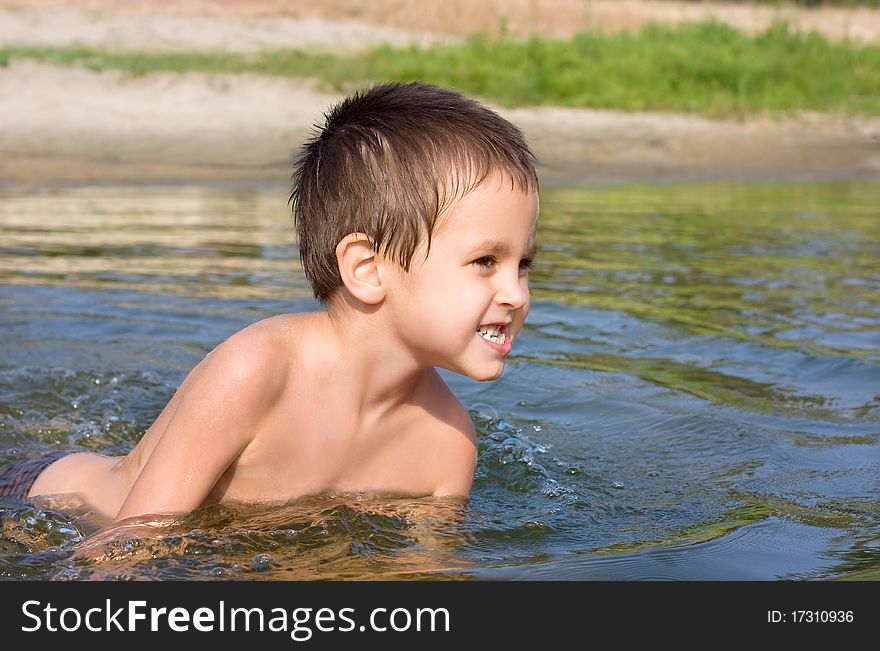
(381, 371)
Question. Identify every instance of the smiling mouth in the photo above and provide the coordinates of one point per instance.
(496, 333)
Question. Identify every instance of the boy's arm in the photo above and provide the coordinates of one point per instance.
(214, 422)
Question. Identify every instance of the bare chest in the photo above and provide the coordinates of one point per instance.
(310, 451)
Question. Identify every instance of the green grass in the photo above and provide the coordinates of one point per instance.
(707, 68)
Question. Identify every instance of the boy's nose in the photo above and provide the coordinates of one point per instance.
(514, 293)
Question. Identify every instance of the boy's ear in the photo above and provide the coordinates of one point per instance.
(361, 268)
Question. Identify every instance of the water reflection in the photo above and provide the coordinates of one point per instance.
(783, 265)
(192, 242)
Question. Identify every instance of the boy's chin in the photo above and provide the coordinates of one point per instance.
(484, 375)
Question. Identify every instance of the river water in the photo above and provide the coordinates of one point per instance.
(696, 394)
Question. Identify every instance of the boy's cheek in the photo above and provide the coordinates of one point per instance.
(524, 313)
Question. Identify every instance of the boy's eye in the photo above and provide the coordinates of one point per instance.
(488, 261)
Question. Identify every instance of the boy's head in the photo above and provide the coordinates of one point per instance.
(387, 163)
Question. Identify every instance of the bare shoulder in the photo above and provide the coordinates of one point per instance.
(264, 351)
(249, 369)
(254, 364)
(444, 407)
(455, 436)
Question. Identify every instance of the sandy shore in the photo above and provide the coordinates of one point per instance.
(61, 125)
(71, 125)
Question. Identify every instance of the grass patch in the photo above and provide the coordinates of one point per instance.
(707, 68)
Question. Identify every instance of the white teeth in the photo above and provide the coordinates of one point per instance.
(493, 335)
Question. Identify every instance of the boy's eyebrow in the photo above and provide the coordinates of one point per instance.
(500, 248)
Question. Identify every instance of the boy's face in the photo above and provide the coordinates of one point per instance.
(474, 284)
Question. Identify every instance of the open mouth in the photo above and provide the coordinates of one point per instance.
(496, 333)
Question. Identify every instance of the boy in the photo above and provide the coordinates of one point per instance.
(415, 210)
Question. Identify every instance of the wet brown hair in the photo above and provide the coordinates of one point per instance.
(388, 161)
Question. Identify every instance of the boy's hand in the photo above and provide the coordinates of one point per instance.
(120, 540)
